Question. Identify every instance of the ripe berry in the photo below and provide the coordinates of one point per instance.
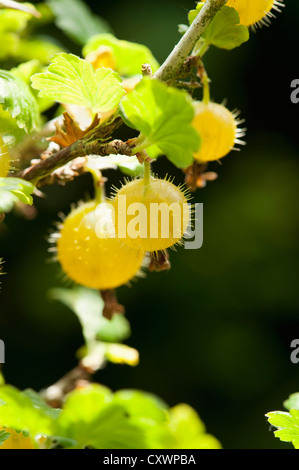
(156, 214)
(90, 254)
(218, 129)
(4, 159)
(254, 11)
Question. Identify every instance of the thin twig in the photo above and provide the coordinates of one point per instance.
(170, 69)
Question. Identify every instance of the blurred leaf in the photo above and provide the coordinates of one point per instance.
(13, 21)
(26, 70)
(92, 419)
(18, 412)
(225, 31)
(12, 189)
(129, 56)
(24, 7)
(4, 436)
(76, 20)
(142, 405)
(287, 424)
(40, 404)
(18, 101)
(163, 115)
(37, 48)
(189, 430)
(193, 13)
(72, 80)
(88, 305)
(292, 403)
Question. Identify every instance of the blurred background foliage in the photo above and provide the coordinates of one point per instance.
(215, 331)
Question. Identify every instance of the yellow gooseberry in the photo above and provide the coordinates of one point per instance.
(255, 11)
(162, 214)
(218, 129)
(90, 253)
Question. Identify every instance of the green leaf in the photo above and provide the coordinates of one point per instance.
(129, 56)
(225, 31)
(13, 21)
(292, 403)
(76, 20)
(92, 419)
(163, 115)
(287, 424)
(12, 189)
(17, 99)
(39, 403)
(189, 431)
(88, 305)
(4, 436)
(18, 412)
(72, 80)
(193, 13)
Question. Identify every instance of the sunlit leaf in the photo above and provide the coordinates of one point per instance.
(18, 101)
(12, 189)
(72, 80)
(163, 115)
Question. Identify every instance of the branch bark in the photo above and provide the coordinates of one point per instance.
(92, 142)
(169, 70)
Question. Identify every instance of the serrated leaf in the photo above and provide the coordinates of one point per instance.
(12, 189)
(72, 80)
(225, 30)
(18, 412)
(76, 20)
(163, 115)
(287, 424)
(129, 56)
(17, 99)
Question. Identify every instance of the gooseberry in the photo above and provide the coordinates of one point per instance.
(218, 129)
(90, 253)
(254, 11)
(162, 214)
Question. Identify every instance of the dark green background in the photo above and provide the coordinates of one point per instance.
(215, 331)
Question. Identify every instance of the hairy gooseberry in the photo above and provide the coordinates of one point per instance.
(90, 253)
(218, 129)
(254, 11)
(151, 215)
